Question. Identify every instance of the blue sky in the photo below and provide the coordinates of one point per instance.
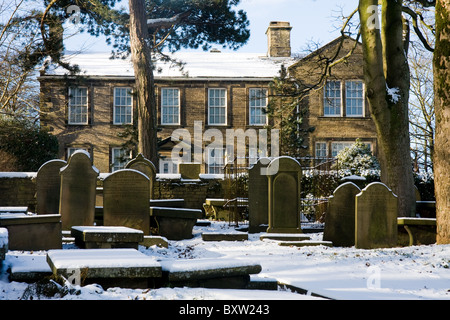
(312, 21)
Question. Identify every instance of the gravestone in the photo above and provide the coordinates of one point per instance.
(340, 217)
(140, 163)
(78, 184)
(126, 200)
(284, 178)
(258, 188)
(48, 186)
(376, 217)
(190, 170)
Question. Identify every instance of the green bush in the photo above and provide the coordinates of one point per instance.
(30, 145)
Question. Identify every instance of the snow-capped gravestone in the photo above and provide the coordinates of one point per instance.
(126, 200)
(376, 217)
(140, 163)
(340, 217)
(48, 186)
(258, 211)
(284, 178)
(78, 184)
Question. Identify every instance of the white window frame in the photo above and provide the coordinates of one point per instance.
(326, 98)
(215, 167)
(167, 166)
(257, 99)
(163, 107)
(76, 105)
(318, 148)
(344, 143)
(224, 106)
(355, 98)
(120, 165)
(126, 106)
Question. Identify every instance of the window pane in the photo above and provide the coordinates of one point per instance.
(332, 98)
(122, 106)
(78, 107)
(258, 104)
(217, 106)
(170, 106)
(354, 98)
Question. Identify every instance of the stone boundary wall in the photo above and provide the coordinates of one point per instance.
(19, 189)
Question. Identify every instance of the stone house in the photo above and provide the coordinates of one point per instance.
(214, 90)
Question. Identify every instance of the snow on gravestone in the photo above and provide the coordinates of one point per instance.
(142, 164)
(376, 217)
(78, 184)
(48, 185)
(340, 217)
(126, 200)
(284, 174)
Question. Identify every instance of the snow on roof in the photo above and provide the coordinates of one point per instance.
(197, 65)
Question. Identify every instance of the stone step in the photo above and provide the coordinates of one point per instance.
(216, 236)
(285, 236)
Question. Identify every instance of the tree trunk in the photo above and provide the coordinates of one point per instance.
(386, 73)
(145, 89)
(442, 108)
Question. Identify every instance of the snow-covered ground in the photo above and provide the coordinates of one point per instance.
(416, 272)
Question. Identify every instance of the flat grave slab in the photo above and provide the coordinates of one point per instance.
(172, 203)
(11, 210)
(306, 243)
(416, 231)
(93, 237)
(175, 223)
(3, 243)
(285, 236)
(208, 273)
(217, 236)
(108, 267)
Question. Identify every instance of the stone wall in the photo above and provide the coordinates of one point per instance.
(19, 189)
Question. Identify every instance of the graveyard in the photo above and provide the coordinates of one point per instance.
(106, 237)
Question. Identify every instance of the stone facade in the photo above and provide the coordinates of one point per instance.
(101, 137)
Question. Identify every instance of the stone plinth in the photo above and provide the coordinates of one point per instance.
(95, 237)
(32, 232)
(175, 223)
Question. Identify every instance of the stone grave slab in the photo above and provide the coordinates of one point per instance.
(29, 268)
(258, 204)
(376, 217)
(190, 170)
(48, 187)
(95, 237)
(208, 273)
(175, 223)
(142, 164)
(78, 184)
(284, 236)
(126, 200)
(305, 243)
(32, 232)
(340, 218)
(171, 203)
(12, 210)
(284, 174)
(214, 208)
(158, 241)
(416, 231)
(217, 236)
(108, 267)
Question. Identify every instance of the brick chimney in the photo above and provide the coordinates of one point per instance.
(279, 39)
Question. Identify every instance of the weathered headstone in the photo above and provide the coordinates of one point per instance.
(78, 183)
(189, 170)
(340, 216)
(284, 175)
(48, 185)
(126, 200)
(140, 163)
(258, 188)
(376, 217)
